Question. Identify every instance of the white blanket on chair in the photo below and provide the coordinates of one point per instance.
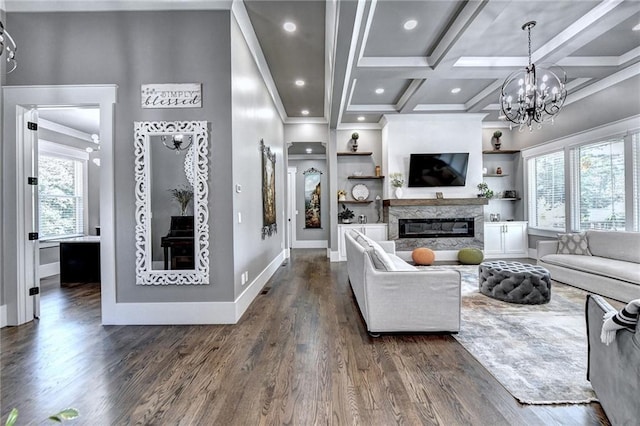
(614, 321)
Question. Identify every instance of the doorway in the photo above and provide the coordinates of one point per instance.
(19, 252)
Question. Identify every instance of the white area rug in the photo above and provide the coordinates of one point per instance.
(537, 352)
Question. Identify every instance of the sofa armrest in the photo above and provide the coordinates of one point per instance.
(388, 246)
(545, 247)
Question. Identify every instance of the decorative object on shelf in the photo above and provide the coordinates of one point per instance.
(342, 195)
(10, 47)
(485, 192)
(177, 143)
(183, 196)
(378, 171)
(312, 193)
(354, 141)
(510, 193)
(485, 171)
(439, 195)
(346, 214)
(496, 140)
(524, 100)
(397, 180)
(362, 219)
(498, 170)
(360, 192)
(379, 208)
(269, 225)
(358, 173)
(494, 217)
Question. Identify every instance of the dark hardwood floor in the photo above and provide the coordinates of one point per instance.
(300, 355)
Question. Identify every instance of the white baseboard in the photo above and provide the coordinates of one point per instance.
(334, 256)
(3, 316)
(310, 244)
(49, 269)
(186, 313)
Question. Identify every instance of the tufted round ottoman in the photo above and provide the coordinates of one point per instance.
(470, 256)
(423, 256)
(515, 282)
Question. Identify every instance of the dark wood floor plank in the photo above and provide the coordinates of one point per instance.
(300, 355)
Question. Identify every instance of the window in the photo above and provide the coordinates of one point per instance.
(546, 189)
(599, 186)
(60, 189)
(635, 182)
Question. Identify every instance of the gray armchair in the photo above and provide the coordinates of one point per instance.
(614, 370)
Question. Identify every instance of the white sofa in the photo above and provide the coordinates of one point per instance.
(612, 270)
(394, 296)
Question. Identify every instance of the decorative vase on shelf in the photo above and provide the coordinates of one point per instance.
(398, 192)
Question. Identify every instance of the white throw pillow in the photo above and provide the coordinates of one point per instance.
(573, 243)
(380, 258)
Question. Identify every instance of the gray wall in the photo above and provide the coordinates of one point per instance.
(311, 234)
(130, 49)
(254, 117)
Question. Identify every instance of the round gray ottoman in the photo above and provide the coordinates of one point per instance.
(515, 282)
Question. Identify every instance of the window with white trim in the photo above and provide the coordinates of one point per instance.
(547, 191)
(61, 196)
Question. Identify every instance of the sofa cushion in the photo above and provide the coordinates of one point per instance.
(615, 245)
(612, 268)
(573, 243)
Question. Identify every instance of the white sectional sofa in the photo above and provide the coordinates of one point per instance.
(612, 269)
(394, 296)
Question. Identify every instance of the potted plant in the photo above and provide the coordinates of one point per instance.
(342, 195)
(485, 192)
(183, 196)
(397, 180)
(346, 214)
(496, 139)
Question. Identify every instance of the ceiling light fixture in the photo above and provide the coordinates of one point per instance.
(309, 150)
(305, 112)
(176, 143)
(289, 27)
(300, 83)
(379, 90)
(523, 100)
(636, 28)
(7, 43)
(361, 118)
(455, 90)
(410, 24)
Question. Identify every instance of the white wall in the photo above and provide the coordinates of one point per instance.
(432, 133)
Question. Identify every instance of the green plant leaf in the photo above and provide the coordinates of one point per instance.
(66, 414)
(13, 416)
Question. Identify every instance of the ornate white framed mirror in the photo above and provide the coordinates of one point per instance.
(172, 213)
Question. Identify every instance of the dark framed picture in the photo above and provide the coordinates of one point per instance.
(439, 195)
(269, 225)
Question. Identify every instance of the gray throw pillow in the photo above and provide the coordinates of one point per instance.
(573, 243)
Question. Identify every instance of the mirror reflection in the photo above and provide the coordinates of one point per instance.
(171, 203)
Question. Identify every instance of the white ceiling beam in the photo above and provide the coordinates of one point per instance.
(380, 108)
(64, 130)
(439, 107)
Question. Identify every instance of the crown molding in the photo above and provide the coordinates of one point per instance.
(113, 5)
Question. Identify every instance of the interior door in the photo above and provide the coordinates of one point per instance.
(29, 251)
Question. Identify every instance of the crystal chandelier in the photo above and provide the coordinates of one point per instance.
(525, 99)
(7, 43)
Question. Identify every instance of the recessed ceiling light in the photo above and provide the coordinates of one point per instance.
(410, 24)
(289, 27)
(309, 150)
(636, 28)
(379, 90)
(305, 112)
(455, 90)
(361, 118)
(300, 83)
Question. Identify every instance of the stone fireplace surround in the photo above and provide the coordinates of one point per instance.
(397, 209)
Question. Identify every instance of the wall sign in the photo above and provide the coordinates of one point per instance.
(187, 95)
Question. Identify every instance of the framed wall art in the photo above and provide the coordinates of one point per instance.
(269, 225)
(312, 193)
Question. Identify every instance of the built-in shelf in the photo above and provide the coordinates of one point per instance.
(500, 151)
(356, 201)
(507, 199)
(365, 177)
(345, 153)
(494, 175)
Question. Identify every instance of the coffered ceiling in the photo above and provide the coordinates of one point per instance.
(358, 62)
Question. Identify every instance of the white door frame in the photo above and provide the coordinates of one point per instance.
(291, 207)
(16, 99)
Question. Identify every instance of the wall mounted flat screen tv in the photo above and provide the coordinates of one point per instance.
(427, 170)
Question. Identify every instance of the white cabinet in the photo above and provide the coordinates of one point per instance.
(505, 239)
(375, 231)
